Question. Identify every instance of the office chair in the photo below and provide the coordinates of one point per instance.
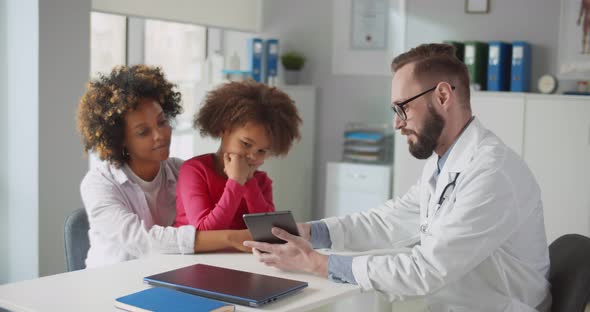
(76, 239)
(569, 273)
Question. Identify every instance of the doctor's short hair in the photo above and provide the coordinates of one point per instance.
(235, 104)
(435, 62)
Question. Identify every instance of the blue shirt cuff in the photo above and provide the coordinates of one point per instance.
(340, 269)
(319, 235)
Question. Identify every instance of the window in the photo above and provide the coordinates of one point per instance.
(107, 49)
(107, 42)
(180, 50)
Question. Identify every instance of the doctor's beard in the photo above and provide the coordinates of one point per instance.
(427, 139)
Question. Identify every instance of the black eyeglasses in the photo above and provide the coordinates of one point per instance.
(398, 108)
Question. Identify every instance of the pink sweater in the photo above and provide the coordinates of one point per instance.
(208, 201)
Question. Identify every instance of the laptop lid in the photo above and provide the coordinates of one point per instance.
(245, 288)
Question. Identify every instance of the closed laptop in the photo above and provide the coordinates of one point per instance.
(245, 288)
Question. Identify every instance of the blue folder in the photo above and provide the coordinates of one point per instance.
(272, 61)
(499, 59)
(521, 67)
(255, 53)
(164, 299)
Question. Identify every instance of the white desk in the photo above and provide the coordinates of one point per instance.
(96, 289)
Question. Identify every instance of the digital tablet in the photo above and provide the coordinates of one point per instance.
(260, 225)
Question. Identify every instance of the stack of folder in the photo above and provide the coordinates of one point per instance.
(368, 143)
(496, 65)
(264, 58)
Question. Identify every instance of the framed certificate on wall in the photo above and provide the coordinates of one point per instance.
(368, 24)
(477, 6)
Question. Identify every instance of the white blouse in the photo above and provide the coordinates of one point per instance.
(123, 226)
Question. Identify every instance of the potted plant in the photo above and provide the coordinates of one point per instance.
(292, 62)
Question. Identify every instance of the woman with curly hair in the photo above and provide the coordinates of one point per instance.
(130, 197)
(253, 121)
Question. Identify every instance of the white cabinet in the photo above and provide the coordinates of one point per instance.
(551, 133)
(292, 176)
(502, 113)
(557, 149)
(352, 187)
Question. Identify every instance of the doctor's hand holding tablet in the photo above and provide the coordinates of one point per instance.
(278, 241)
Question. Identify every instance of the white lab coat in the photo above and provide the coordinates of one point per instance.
(485, 248)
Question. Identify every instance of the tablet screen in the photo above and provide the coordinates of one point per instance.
(261, 224)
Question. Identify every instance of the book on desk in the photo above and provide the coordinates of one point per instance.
(165, 299)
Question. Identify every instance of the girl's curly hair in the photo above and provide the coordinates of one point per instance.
(236, 103)
(102, 108)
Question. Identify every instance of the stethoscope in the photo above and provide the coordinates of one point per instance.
(443, 196)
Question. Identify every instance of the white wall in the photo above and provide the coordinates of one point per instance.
(22, 157)
(46, 62)
(64, 67)
(535, 21)
(306, 25)
(4, 243)
(366, 61)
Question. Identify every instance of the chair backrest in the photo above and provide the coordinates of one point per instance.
(570, 273)
(76, 239)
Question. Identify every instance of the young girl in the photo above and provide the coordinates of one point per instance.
(254, 121)
(130, 197)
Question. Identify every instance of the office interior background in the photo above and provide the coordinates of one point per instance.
(49, 49)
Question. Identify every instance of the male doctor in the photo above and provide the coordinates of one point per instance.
(474, 220)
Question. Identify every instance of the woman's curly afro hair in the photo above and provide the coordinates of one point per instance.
(102, 108)
(236, 103)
